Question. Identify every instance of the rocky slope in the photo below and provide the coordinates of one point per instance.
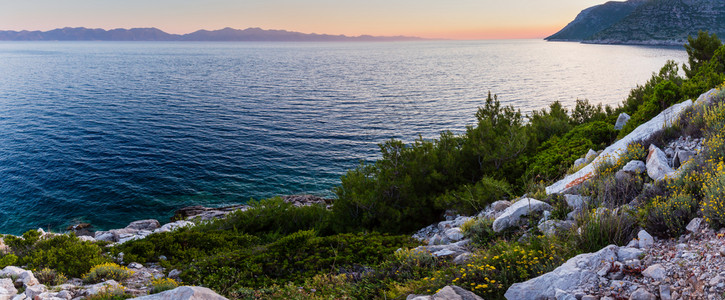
(649, 22)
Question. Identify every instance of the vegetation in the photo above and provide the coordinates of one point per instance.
(362, 249)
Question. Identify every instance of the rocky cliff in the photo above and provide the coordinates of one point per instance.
(649, 22)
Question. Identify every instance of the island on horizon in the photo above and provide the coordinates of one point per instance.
(252, 34)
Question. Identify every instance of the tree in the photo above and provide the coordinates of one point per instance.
(700, 50)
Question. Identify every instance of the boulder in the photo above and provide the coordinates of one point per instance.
(149, 224)
(707, 97)
(185, 293)
(578, 271)
(24, 276)
(657, 166)
(621, 121)
(576, 201)
(100, 287)
(628, 253)
(645, 239)
(682, 156)
(580, 162)
(642, 294)
(694, 225)
(449, 292)
(591, 155)
(7, 289)
(174, 225)
(610, 154)
(635, 167)
(656, 272)
(512, 214)
(35, 290)
(454, 234)
(552, 227)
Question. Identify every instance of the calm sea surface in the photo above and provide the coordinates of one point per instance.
(108, 133)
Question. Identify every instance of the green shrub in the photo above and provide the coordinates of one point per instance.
(8, 260)
(603, 227)
(560, 207)
(110, 293)
(480, 231)
(50, 277)
(163, 284)
(667, 217)
(107, 271)
(470, 199)
(63, 253)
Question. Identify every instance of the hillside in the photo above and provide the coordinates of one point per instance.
(154, 34)
(595, 19)
(650, 22)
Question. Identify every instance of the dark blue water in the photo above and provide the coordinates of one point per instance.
(108, 133)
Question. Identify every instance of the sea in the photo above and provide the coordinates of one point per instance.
(111, 132)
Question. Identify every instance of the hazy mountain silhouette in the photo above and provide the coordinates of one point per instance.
(154, 34)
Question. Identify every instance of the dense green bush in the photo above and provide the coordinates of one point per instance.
(50, 277)
(556, 155)
(603, 227)
(479, 231)
(63, 253)
(469, 199)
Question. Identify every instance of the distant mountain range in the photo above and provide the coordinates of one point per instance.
(646, 22)
(154, 34)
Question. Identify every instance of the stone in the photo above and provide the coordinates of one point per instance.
(610, 154)
(707, 97)
(149, 224)
(135, 265)
(35, 290)
(99, 287)
(656, 272)
(462, 258)
(645, 239)
(590, 297)
(24, 276)
(580, 162)
(563, 295)
(552, 227)
(174, 225)
(575, 201)
(86, 238)
(175, 273)
(64, 294)
(500, 205)
(694, 225)
(449, 292)
(591, 155)
(7, 289)
(185, 293)
(642, 294)
(577, 271)
(635, 167)
(628, 253)
(621, 121)
(657, 166)
(512, 214)
(454, 234)
(665, 292)
(681, 157)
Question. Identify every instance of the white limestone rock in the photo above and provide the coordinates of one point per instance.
(657, 166)
(645, 239)
(621, 121)
(185, 293)
(656, 272)
(578, 271)
(665, 119)
(635, 167)
(449, 292)
(512, 214)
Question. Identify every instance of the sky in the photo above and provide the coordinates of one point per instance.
(448, 19)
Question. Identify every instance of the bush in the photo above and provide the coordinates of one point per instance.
(667, 217)
(63, 253)
(560, 207)
(107, 271)
(603, 227)
(163, 284)
(110, 293)
(480, 231)
(50, 277)
(470, 199)
(8, 260)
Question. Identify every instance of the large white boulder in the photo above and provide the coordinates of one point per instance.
(621, 121)
(512, 214)
(24, 276)
(449, 292)
(185, 293)
(7, 289)
(664, 120)
(706, 97)
(657, 166)
(578, 271)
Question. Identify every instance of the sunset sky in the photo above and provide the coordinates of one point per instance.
(452, 19)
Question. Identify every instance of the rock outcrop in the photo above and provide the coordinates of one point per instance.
(665, 119)
(185, 293)
(449, 292)
(512, 214)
